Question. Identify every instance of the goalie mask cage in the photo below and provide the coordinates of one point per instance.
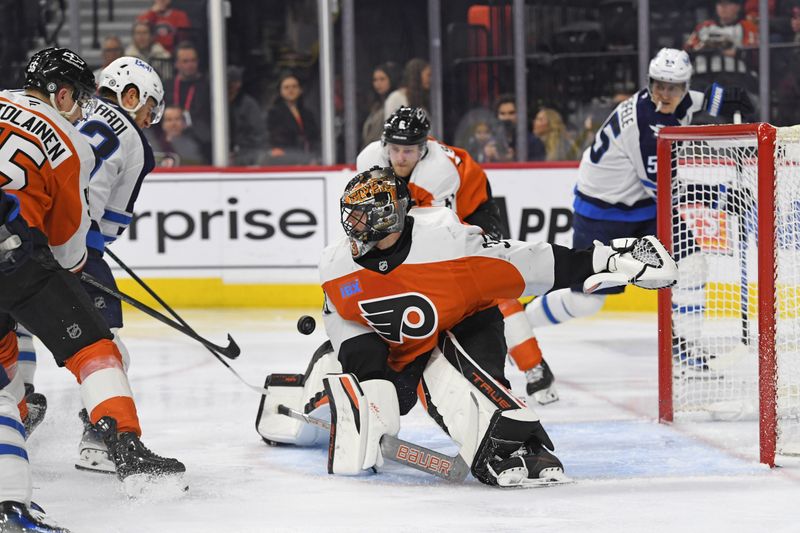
(729, 330)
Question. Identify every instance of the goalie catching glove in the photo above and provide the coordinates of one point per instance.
(642, 262)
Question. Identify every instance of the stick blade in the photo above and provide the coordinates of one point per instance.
(232, 351)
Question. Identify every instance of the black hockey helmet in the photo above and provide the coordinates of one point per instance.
(51, 67)
(373, 206)
(408, 126)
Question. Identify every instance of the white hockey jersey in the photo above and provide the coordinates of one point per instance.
(445, 272)
(617, 174)
(446, 177)
(46, 163)
(123, 159)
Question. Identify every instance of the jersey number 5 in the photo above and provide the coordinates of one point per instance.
(13, 151)
(601, 141)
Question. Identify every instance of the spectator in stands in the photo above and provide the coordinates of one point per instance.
(385, 78)
(505, 109)
(415, 90)
(172, 144)
(166, 22)
(729, 31)
(482, 145)
(190, 92)
(549, 127)
(248, 134)
(293, 131)
(145, 48)
(111, 49)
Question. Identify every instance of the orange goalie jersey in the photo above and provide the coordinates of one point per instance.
(440, 272)
(45, 162)
(447, 176)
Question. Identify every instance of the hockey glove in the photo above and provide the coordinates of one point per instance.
(15, 235)
(727, 101)
(642, 262)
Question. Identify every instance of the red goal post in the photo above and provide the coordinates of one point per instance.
(724, 178)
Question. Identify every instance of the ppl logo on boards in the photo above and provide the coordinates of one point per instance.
(349, 289)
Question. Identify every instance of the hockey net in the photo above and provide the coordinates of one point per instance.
(729, 330)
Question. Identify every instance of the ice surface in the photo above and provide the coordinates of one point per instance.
(632, 473)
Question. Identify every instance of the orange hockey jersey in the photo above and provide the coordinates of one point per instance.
(447, 176)
(45, 162)
(450, 272)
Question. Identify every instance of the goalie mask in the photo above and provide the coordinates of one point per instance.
(126, 71)
(374, 206)
(52, 68)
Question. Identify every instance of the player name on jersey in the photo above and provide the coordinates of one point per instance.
(56, 149)
(115, 122)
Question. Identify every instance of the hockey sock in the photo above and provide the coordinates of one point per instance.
(105, 390)
(8, 360)
(562, 305)
(26, 364)
(15, 472)
(522, 344)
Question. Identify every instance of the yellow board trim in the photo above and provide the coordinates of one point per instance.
(214, 292)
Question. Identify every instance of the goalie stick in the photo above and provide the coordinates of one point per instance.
(452, 469)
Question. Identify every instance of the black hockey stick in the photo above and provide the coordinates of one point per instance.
(452, 469)
(231, 351)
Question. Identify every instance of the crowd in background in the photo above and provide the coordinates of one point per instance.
(274, 99)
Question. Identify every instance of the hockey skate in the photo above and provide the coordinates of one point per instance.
(92, 451)
(139, 469)
(692, 361)
(37, 407)
(527, 468)
(16, 517)
(540, 384)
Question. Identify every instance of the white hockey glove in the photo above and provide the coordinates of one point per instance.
(361, 413)
(642, 262)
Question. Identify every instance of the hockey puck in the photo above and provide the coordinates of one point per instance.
(306, 325)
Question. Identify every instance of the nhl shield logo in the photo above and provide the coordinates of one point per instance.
(99, 302)
(74, 331)
(383, 266)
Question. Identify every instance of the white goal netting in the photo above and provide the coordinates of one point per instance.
(715, 312)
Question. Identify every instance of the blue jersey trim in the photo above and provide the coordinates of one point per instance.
(10, 449)
(586, 208)
(13, 424)
(548, 313)
(117, 218)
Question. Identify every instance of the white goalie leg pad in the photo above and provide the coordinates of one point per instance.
(642, 262)
(26, 363)
(561, 306)
(123, 350)
(465, 407)
(15, 471)
(301, 392)
(360, 416)
(689, 296)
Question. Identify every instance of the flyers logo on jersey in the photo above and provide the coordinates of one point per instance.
(401, 316)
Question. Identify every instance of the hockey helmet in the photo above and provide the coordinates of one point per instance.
(671, 65)
(373, 206)
(51, 67)
(407, 126)
(126, 71)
